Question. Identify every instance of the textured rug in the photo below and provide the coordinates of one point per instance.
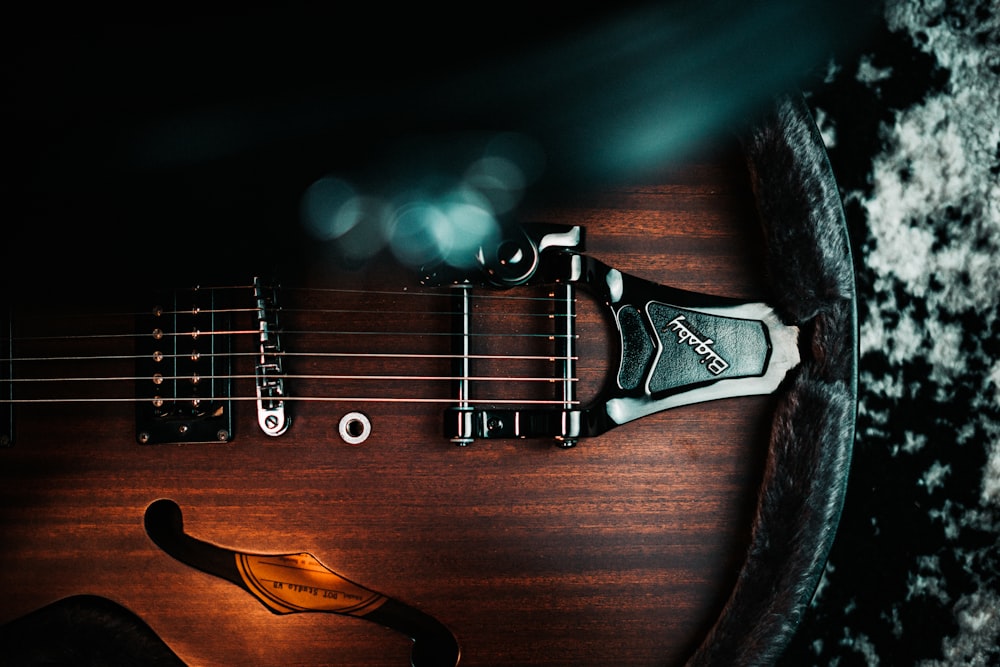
(912, 125)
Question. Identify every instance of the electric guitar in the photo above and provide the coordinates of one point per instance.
(548, 456)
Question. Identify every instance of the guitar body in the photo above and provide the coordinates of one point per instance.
(621, 550)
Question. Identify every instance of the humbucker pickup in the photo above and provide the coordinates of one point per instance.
(184, 368)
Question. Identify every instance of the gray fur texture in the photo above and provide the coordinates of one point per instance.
(802, 493)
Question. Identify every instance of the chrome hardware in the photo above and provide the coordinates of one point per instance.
(184, 395)
(516, 260)
(354, 428)
(271, 415)
(461, 349)
(674, 347)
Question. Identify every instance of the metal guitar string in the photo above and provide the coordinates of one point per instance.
(305, 399)
(336, 290)
(291, 376)
(428, 294)
(365, 355)
(342, 311)
(333, 377)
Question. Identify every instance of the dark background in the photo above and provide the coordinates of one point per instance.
(136, 145)
(141, 142)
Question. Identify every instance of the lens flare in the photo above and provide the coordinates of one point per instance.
(326, 213)
(368, 219)
(498, 179)
(428, 230)
(433, 215)
(471, 225)
(418, 234)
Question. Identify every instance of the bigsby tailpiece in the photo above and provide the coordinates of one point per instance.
(673, 347)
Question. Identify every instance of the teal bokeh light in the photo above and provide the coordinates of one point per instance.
(330, 209)
(428, 216)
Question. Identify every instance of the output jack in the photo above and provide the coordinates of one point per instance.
(355, 427)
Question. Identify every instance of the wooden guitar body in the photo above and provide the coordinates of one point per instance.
(622, 550)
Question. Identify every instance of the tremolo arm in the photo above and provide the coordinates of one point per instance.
(673, 347)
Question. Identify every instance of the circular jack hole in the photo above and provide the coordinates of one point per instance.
(355, 428)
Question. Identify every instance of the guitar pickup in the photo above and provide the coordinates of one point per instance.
(184, 369)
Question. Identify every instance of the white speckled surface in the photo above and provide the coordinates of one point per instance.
(912, 122)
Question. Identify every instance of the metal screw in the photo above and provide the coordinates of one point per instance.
(222, 435)
(144, 437)
(271, 421)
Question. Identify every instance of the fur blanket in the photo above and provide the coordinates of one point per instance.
(912, 126)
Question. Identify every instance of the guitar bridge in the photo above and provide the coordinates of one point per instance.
(271, 415)
(515, 262)
(672, 347)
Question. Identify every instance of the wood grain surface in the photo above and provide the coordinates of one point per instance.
(620, 551)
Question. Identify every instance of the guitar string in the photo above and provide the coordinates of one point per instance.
(343, 355)
(195, 334)
(196, 379)
(451, 313)
(318, 311)
(209, 378)
(352, 355)
(304, 399)
(427, 294)
(442, 293)
(279, 309)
